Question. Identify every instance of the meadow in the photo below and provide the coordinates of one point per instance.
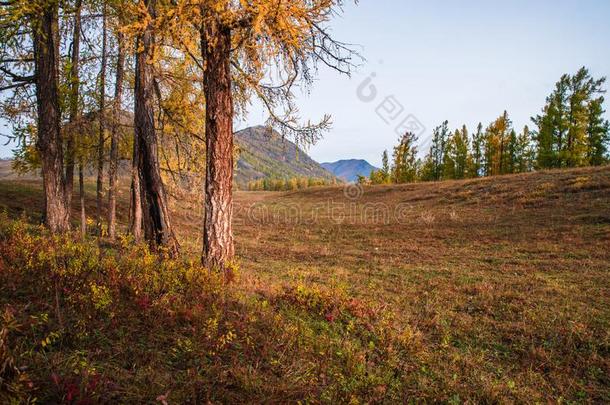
(485, 290)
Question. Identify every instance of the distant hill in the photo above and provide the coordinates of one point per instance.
(265, 153)
(349, 169)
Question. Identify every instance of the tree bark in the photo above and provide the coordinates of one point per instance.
(114, 149)
(49, 141)
(81, 189)
(135, 211)
(74, 96)
(218, 247)
(102, 130)
(156, 219)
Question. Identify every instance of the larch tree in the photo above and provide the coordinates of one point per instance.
(497, 137)
(242, 44)
(570, 131)
(405, 164)
(99, 189)
(433, 165)
(29, 54)
(462, 153)
(114, 135)
(477, 152)
(524, 152)
(598, 133)
(155, 210)
(74, 97)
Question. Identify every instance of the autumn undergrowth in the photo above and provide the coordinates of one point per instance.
(88, 324)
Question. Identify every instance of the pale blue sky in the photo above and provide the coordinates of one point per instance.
(464, 61)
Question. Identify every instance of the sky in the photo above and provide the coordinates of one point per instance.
(428, 61)
(463, 61)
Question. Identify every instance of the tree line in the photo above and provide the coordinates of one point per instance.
(293, 183)
(571, 131)
(86, 83)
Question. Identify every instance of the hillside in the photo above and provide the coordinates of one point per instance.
(264, 153)
(489, 290)
(349, 170)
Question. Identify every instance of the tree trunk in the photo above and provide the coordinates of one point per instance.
(81, 190)
(114, 148)
(102, 130)
(135, 211)
(218, 248)
(156, 219)
(49, 142)
(74, 95)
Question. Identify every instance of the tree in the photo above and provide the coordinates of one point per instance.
(49, 140)
(524, 154)
(456, 155)
(74, 89)
(99, 189)
(477, 161)
(552, 126)
(287, 34)
(510, 157)
(433, 163)
(598, 133)
(405, 167)
(155, 219)
(383, 175)
(29, 55)
(114, 142)
(570, 122)
(449, 158)
(497, 137)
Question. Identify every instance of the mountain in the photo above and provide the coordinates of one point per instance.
(349, 169)
(263, 152)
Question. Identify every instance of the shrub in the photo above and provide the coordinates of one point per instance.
(85, 324)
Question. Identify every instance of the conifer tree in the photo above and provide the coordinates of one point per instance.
(598, 133)
(449, 155)
(404, 168)
(238, 42)
(511, 153)
(524, 154)
(461, 153)
(477, 152)
(571, 123)
(433, 163)
(385, 166)
(497, 137)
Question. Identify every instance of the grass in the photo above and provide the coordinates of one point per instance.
(488, 290)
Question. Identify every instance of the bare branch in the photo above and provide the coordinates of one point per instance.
(16, 77)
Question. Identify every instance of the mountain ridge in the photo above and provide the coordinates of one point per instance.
(264, 153)
(349, 169)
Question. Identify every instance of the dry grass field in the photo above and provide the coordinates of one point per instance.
(498, 289)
